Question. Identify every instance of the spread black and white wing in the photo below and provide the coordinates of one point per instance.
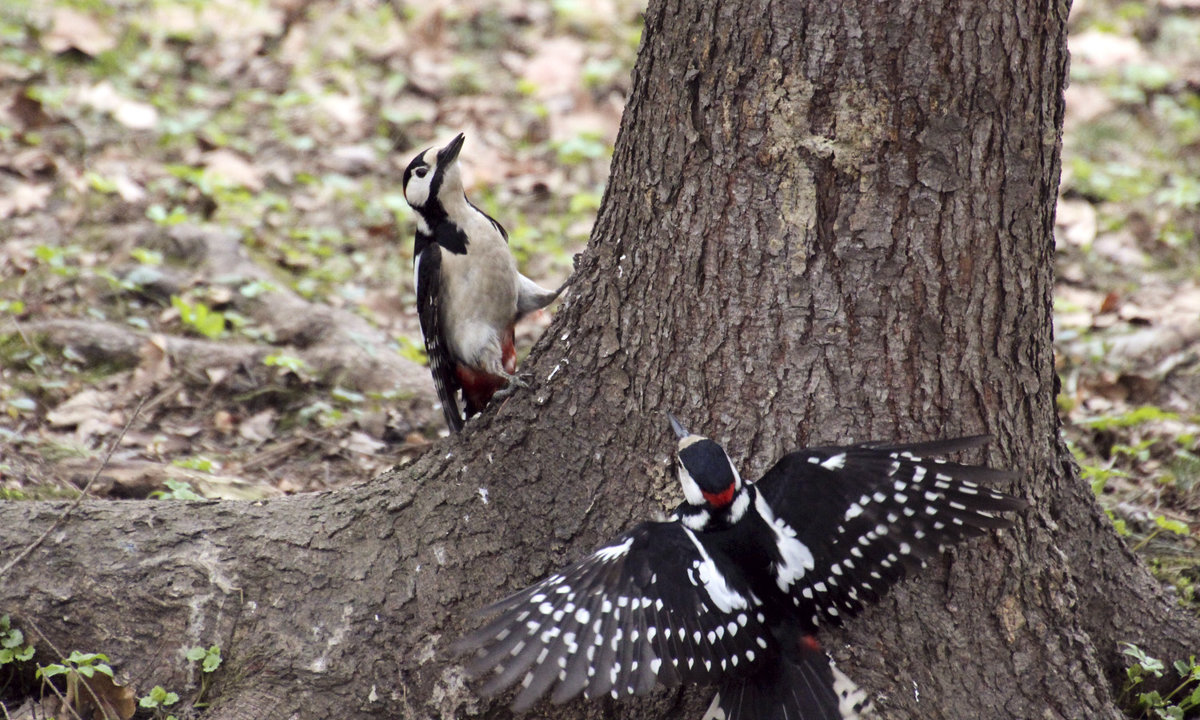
(427, 271)
(651, 607)
(866, 515)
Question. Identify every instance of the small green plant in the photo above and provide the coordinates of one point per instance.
(1172, 706)
(291, 363)
(146, 256)
(198, 316)
(176, 490)
(84, 664)
(197, 462)
(1163, 523)
(1133, 418)
(12, 643)
(167, 218)
(255, 288)
(209, 660)
(158, 700)
(60, 260)
(322, 412)
(347, 396)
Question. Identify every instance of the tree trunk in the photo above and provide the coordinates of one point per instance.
(826, 222)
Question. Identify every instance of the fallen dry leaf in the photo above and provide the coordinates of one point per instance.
(259, 427)
(130, 113)
(29, 163)
(87, 411)
(360, 442)
(1075, 222)
(1105, 50)
(347, 110)
(223, 422)
(74, 29)
(1111, 302)
(27, 111)
(105, 701)
(24, 198)
(154, 365)
(232, 166)
(555, 69)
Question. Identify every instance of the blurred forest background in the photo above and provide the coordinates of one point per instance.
(204, 237)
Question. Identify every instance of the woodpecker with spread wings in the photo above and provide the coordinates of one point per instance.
(731, 589)
(469, 292)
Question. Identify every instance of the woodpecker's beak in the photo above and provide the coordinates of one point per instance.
(449, 153)
(680, 431)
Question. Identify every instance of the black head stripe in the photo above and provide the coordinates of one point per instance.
(417, 162)
(708, 465)
(435, 186)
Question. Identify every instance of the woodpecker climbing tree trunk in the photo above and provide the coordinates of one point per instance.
(827, 221)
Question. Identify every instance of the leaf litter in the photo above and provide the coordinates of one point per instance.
(201, 207)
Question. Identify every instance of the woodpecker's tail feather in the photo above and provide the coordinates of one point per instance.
(531, 296)
(808, 687)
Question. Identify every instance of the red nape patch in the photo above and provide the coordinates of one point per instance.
(809, 642)
(720, 499)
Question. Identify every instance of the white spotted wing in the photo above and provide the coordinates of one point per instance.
(652, 607)
(869, 514)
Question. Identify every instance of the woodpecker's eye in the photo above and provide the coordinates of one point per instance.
(421, 172)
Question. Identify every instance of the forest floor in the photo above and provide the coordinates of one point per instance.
(206, 256)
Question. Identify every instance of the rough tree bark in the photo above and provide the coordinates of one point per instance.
(827, 221)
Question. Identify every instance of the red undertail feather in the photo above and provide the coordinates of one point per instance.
(508, 352)
(479, 386)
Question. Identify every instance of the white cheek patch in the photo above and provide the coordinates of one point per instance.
(417, 191)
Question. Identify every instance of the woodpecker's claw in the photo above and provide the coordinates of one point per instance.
(514, 382)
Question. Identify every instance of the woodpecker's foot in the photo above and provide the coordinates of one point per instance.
(514, 382)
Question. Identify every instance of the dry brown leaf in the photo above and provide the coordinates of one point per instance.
(87, 411)
(1105, 50)
(429, 71)
(223, 422)
(1111, 302)
(31, 162)
(24, 198)
(154, 365)
(74, 29)
(555, 69)
(130, 113)
(258, 427)
(360, 442)
(130, 190)
(347, 110)
(27, 111)
(1086, 103)
(106, 701)
(1075, 222)
(234, 167)
(226, 487)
